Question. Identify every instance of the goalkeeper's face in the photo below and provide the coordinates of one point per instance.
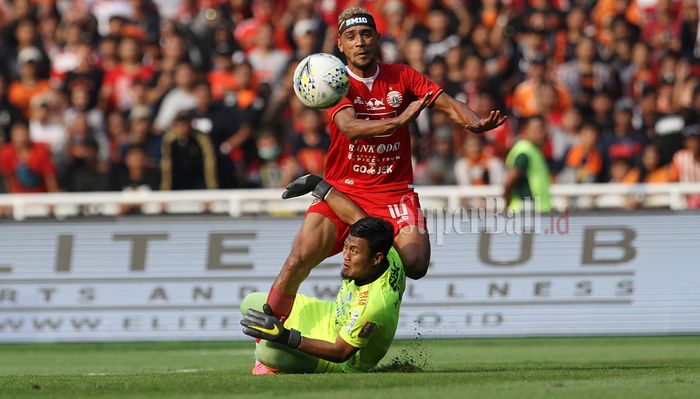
(359, 262)
(360, 44)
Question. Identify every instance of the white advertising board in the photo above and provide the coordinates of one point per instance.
(183, 278)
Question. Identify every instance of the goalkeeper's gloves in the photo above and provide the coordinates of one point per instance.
(318, 187)
(265, 325)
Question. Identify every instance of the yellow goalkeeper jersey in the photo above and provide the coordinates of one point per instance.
(366, 316)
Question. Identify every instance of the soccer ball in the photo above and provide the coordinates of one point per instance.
(321, 81)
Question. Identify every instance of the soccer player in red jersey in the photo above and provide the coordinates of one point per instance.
(369, 159)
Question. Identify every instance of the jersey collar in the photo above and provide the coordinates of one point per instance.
(367, 81)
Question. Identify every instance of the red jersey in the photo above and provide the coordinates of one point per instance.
(380, 163)
(27, 176)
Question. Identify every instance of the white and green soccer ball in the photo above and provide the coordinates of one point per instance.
(321, 81)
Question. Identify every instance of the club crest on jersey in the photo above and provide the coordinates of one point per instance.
(394, 98)
(375, 105)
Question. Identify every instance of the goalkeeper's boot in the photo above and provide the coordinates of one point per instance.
(261, 369)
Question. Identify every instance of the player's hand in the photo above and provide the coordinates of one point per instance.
(265, 325)
(415, 107)
(494, 120)
(313, 184)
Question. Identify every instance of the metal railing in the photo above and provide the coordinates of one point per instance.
(268, 202)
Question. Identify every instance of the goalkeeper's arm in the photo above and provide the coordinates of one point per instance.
(265, 325)
(346, 209)
(336, 352)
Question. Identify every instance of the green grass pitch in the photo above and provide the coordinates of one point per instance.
(624, 367)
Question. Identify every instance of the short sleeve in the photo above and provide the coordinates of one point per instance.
(419, 84)
(344, 103)
(521, 163)
(360, 326)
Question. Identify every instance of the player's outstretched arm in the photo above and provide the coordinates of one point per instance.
(462, 115)
(353, 128)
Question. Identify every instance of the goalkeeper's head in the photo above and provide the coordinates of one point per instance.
(366, 248)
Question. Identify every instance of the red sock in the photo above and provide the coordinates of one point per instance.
(280, 303)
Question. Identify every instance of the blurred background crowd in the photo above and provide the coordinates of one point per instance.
(190, 94)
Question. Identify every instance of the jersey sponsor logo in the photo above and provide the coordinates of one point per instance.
(349, 181)
(371, 170)
(363, 298)
(353, 320)
(367, 330)
(394, 98)
(375, 105)
(374, 148)
(358, 100)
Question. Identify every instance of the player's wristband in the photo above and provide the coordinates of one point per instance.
(322, 189)
(294, 339)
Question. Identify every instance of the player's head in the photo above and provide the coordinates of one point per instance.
(358, 38)
(535, 130)
(366, 248)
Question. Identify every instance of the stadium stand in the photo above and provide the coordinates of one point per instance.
(100, 86)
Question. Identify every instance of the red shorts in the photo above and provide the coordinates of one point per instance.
(399, 209)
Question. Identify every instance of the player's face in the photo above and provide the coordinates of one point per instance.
(358, 260)
(360, 45)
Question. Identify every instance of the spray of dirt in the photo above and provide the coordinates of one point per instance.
(412, 359)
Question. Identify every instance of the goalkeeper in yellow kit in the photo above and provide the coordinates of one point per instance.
(348, 335)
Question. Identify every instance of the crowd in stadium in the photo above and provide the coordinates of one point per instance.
(191, 94)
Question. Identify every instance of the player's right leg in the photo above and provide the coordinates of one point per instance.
(315, 241)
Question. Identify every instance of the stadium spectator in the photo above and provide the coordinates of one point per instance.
(135, 174)
(221, 78)
(188, 160)
(440, 37)
(525, 103)
(230, 130)
(650, 170)
(440, 166)
(26, 167)
(305, 35)
(268, 62)
(476, 167)
(30, 84)
(116, 85)
(311, 143)
(585, 74)
(9, 113)
(623, 141)
(180, 98)
(141, 134)
(274, 168)
(583, 162)
(564, 134)
(84, 170)
(527, 179)
(46, 127)
(686, 162)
